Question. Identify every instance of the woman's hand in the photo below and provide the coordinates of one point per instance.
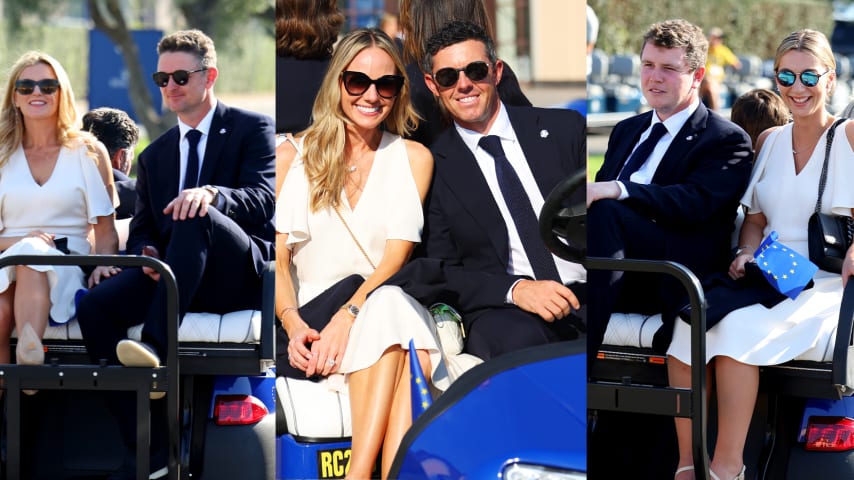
(102, 273)
(44, 236)
(736, 268)
(298, 353)
(331, 346)
(848, 266)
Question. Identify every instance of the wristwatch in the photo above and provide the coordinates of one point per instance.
(213, 191)
(351, 309)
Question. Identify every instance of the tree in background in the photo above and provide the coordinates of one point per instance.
(116, 18)
(753, 27)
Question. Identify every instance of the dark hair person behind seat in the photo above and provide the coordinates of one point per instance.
(118, 132)
(306, 30)
(758, 110)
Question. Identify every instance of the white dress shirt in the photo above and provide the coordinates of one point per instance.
(519, 264)
(184, 144)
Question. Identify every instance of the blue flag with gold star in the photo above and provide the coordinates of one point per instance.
(421, 398)
(785, 269)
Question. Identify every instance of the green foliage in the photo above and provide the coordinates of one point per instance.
(752, 26)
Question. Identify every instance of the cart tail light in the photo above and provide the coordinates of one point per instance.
(238, 410)
(830, 434)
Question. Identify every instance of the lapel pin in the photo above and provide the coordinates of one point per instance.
(689, 138)
(544, 133)
(221, 131)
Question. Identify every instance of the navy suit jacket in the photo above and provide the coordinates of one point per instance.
(239, 161)
(464, 228)
(696, 189)
(126, 188)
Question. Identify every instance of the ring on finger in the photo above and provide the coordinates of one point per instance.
(331, 362)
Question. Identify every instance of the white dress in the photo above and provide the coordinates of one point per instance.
(67, 205)
(758, 335)
(323, 253)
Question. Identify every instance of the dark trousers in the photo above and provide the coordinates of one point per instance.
(616, 231)
(491, 332)
(212, 262)
(214, 270)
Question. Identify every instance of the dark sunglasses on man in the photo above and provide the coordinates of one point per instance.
(809, 78)
(181, 77)
(48, 86)
(357, 83)
(475, 71)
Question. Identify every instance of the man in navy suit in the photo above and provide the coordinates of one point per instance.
(205, 207)
(675, 201)
(673, 197)
(493, 169)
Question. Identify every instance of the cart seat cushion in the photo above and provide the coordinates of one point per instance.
(242, 326)
(636, 330)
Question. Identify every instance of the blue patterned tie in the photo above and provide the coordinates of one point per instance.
(643, 152)
(191, 177)
(521, 210)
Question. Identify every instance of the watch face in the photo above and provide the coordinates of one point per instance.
(354, 310)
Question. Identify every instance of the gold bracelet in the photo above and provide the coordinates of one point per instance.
(285, 311)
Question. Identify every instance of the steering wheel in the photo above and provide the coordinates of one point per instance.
(564, 228)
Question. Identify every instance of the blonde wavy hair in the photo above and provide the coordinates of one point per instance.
(324, 139)
(12, 122)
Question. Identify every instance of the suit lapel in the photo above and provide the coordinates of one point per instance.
(464, 178)
(673, 163)
(217, 136)
(170, 172)
(540, 152)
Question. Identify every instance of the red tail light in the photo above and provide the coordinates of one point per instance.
(238, 410)
(830, 434)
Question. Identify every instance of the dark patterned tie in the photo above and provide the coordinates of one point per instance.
(643, 152)
(191, 177)
(521, 210)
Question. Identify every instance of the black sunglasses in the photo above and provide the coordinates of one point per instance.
(48, 86)
(181, 77)
(809, 77)
(357, 83)
(475, 71)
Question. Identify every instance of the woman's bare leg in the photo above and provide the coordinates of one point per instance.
(400, 418)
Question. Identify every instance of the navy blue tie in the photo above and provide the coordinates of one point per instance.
(521, 210)
(643, 152)
(191, 177)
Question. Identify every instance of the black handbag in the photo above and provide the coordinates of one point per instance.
(829, 236)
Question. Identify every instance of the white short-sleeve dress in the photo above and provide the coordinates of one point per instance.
(67, 205)
(758, 335)
(323, 252)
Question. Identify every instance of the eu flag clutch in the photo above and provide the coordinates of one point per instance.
(785, 269)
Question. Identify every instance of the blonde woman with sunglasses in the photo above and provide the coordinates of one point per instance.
(348, 217)
(781, 196)
(52, 195)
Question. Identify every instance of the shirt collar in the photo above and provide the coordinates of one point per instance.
(204, 126)
(678, 119)
(501, 127)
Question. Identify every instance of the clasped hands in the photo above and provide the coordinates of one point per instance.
(189, 203)
(548, 299)
(320, 353)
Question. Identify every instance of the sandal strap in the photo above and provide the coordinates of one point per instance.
(686, 468)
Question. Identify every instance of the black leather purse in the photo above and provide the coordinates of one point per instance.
(829, 235)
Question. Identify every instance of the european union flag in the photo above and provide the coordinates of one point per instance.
(420, 391)
(785, 269)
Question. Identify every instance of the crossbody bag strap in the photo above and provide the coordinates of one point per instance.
(823, 179)
(353, 236)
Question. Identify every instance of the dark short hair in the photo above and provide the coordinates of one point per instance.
(194, 42)
(307, 28)
(113, 127)
(758, 110)
(453, 33)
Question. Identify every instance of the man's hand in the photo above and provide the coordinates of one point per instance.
(189, 203)
(150, 251)
(600, 190)
(548, 299)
